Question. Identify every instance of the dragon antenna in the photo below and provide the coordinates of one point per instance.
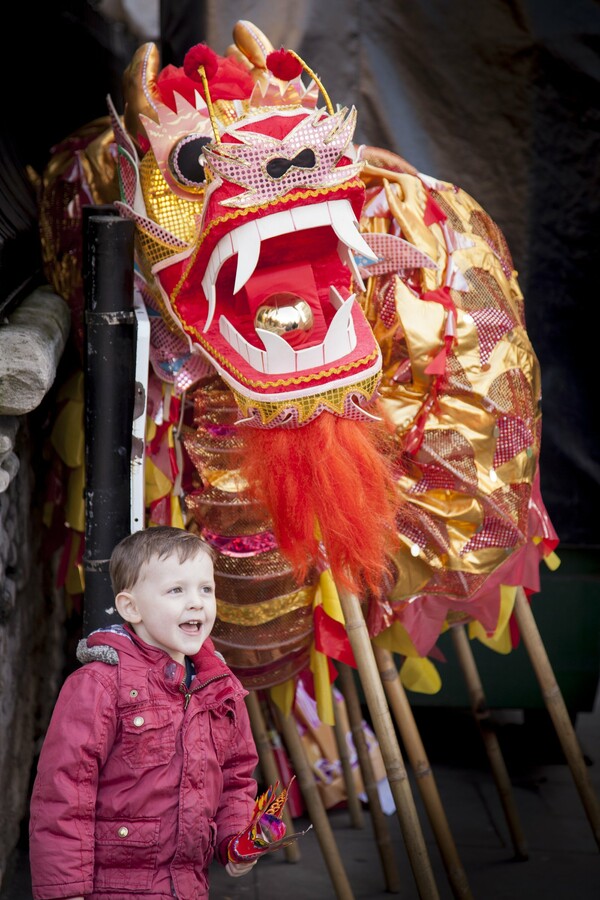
(201, 64)
(286, 65)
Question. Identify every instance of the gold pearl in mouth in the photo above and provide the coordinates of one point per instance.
(284, 312)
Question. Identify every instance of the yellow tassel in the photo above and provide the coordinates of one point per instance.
(419, 674)
(552, 561)
(500, 640)
(68, 437)
(176, 514)
(157, 484)
(327, 596)
(282, 696)
(396, 640)
(319, 666)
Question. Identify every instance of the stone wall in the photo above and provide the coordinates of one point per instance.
(32, 341)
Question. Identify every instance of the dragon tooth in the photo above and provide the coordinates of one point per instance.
(344, 224)
(224, 249)
(210, 292)
(309, 358)
(275, 224)
(246, 243)
(305, 217)
(335, 298)
(280, 357)
(347, 257)
(340, 338)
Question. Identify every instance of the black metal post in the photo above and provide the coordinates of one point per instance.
(109, 379)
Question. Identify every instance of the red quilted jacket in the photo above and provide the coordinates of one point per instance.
(140, 781)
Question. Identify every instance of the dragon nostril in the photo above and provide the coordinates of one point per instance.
(283, 313)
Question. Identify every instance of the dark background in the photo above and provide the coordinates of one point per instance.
(500, 98)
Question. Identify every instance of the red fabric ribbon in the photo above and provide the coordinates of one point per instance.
(331, 638)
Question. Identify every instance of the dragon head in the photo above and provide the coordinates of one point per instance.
(247, 204)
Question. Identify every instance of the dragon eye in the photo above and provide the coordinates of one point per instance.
(185, 161)
(278, 166)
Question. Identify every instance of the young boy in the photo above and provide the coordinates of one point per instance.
(146, 771)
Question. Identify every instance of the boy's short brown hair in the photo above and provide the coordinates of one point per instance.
(137, 549)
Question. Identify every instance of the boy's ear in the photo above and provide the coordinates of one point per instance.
(127, 608)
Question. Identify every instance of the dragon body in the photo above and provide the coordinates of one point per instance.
(354, 395)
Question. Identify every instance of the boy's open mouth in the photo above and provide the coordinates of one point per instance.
(192, 627)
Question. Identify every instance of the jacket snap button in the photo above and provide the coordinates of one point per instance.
(139, 720)
(133, 693)
(123, 831)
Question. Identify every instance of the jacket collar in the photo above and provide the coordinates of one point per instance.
(127, 644)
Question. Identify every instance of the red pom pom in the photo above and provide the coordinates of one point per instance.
(200, 55)
(283, 65)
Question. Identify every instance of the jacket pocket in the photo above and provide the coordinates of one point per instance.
(126, 852)
(148, 737)
(222, 730)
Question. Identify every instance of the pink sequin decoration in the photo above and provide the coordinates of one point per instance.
(514, 437)
(491, 324)
(242, 546)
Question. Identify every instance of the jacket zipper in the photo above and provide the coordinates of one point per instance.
(188, 694)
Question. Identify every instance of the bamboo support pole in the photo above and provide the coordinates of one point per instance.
(316, 810)
(557, 709)
(390, 750)
(269, 766)
(380, 826)
(357, 818)
(417, 756)
(482, 717)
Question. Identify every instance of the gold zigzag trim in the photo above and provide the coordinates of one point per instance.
(334, 399)
(259, 613)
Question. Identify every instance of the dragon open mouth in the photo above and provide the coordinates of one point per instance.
(252, 267)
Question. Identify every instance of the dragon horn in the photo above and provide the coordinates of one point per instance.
(139, 86)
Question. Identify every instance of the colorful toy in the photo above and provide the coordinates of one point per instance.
(266, 830)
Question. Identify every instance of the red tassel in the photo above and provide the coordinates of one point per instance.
(433, 213)
(200, 55)
(437, 366)
(283, 65)
(331, 638)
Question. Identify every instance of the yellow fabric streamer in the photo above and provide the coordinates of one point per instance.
(396, 640)
(176, 514)
(319, 666)
(282, 696)
(419, 674)
(552, 561)
(68, 438)
(156, 483)
(500, 640)
(328, 597)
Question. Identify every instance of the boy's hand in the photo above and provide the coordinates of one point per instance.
(236, 869)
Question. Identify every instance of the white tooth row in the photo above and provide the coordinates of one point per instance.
(246, 240)
(279, 357)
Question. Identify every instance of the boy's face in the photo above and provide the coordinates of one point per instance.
(172, 605)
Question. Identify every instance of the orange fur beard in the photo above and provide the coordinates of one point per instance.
(332, 475)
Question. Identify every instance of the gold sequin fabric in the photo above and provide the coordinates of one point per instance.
(264, 624)
(467, 439)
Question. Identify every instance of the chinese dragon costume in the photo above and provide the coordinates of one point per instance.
(342, 389)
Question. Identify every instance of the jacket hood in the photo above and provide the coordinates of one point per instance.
(116, 642)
